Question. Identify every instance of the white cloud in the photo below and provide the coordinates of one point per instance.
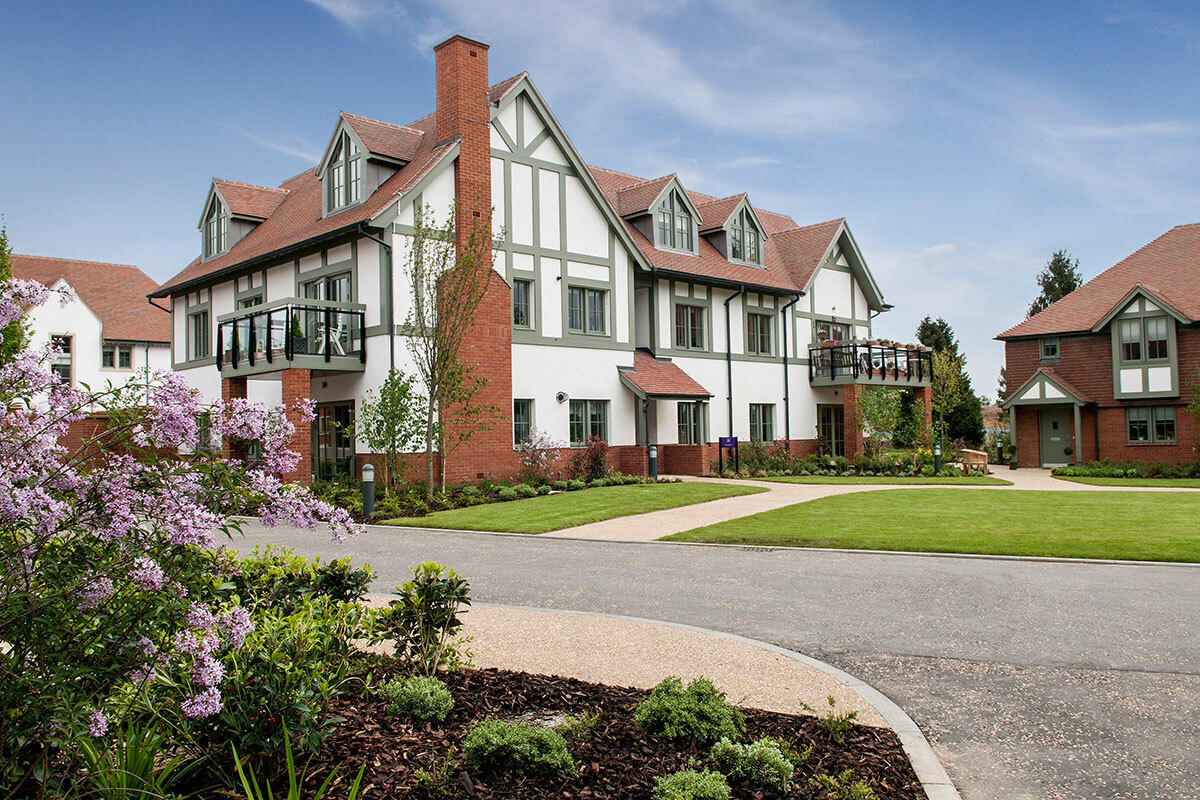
(357, 13)
(937, 250)
(293, 146)
(750, 162)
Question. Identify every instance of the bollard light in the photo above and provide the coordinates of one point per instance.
(937, 459)
(653, 462)
(368, 489)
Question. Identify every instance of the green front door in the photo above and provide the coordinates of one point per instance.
(1054, 435)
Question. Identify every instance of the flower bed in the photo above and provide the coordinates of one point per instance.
(760, 462)
(1129, 469)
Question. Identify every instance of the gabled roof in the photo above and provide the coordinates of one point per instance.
(715, 213)
(803, 249)
(1046, 375)
(116, 294)
(248, 200)
(297, 219)
(659, 377)
(1170, 264)
(1138, 290)
(394, 142)
(639, 197)
(498, 90)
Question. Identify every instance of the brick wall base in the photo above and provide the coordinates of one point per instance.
(1109, 421)
(683, 459)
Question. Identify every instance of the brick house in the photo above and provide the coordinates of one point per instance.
(620, 306)
(1107, 372)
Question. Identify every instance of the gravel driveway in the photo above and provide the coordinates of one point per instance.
(1032, 679)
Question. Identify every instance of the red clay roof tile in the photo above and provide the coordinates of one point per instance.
(248, 200)
(383, 138)
(660, 377)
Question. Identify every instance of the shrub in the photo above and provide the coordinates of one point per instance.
(698, 712)
(276, 576)
(507, 493)
(842, 787)
(579, 727)
(691, 785)
(767, 762)
(536, 455)
(544, 489)
(595, 459)
(836, 724)
(422, 623)
(495, 746)
(559, 486)
(419, 697)
(575, 485)
(525, 490)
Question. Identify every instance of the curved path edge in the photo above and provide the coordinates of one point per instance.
(929, 770)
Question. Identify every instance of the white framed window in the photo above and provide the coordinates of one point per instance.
(588, 418)
(116, 356)
(343, 178)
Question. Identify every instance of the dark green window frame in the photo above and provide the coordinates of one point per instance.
(216, 229)
(760, 329)
(690, 327)
(522, 420)
(1048, 348)
(522, 295)
(675, 227)
(745, 240)
(199, 335)
(587, 311)
(1144, 339)
(825, 331)
(344, 174)
(689, 417)
(1151, 425)
(762, 422)
(588, 418)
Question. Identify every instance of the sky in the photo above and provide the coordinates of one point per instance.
(963, 142)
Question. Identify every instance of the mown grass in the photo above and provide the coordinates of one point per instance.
(568, 509)
(979, 480)
(1154, 526)
(1170, 483)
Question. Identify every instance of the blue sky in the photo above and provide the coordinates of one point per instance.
(964, 143)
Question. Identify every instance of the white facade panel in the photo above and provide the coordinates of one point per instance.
(336, 255)
(522, 204)
(532, 124)
(540, 372)
(281, 281)
(621, 294)
(498, 140)
(522, 261)
(438, 193)
(861, 311)
(548, 151)
(831, 292)
(664, 313)
(1053, 393)
(550, 228)
(498, 214)
(587, 230)
(552, 301)
(310, 262)
(179, 328)
(592, 272)
(1131, 380)
(508, 118)
(1158, 379)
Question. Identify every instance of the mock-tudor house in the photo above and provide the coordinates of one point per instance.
(628, 308)
(108, 332)
(1107, 372)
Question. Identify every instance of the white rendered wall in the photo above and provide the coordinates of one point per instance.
(540, 372)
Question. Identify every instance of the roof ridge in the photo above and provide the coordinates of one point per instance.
(803, 227)
(81, 261)
(253, 185)
(385, 124)
(722, 199)
(1187, 225)
(636, 178)
(629, 186)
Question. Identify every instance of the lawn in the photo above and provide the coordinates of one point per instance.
(568, 509)
(1125, 525)
(891, 481)
(1171, 483)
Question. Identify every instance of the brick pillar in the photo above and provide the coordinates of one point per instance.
(297, 385)
(924, 396)
(461, 67)
(232, 389)
(852, 430)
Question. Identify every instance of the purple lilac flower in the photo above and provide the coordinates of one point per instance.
(204, 704)
(200, 618)
(97, 724)
(147, 573)
(208, 671)
(236, 624)
(95, 592)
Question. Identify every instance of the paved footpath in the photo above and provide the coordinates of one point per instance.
(657, 524)
(1033, 679)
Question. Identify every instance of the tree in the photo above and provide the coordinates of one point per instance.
(447, 274)
(948, 386)
(937, 335)
(1058, 279)
(15, 334)
(879, 413)
(964, 419)
(392, 421)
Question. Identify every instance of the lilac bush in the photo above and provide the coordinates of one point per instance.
(537, 454)
(109, 550)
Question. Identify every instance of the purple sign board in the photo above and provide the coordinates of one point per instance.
(729, 442)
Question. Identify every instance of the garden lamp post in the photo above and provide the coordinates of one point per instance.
(653, 465)
(368, 489)
(937, 459)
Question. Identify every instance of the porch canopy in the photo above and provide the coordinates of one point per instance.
(660, 378)
(1047, 388)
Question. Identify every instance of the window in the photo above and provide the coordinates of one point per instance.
(587, 310)
(758, 334)
(762, 422)
(832, 332)
(588, 418)
(1050, 348)
(1156, 338)
(344, 177)
(744, 239)
(522, 420)
(60, 364)
(198, 338)
(204, 433)
(216, 228)
(674, 223)
(689, 327)
(689, 423)
(1131, 340)
(1150, 424)
(118, 356)
(520, 304)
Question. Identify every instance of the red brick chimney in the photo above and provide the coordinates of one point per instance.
(463, 112)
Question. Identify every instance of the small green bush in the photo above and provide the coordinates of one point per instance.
(698, 712)
(560, 486)
(836, 723)
(575, 485)
(691, 785)
(842, 787)
(579, 727)
(544, 489)
(525, 490)
(495, 746)
(767, 762)
(422, 698)
(507, 493)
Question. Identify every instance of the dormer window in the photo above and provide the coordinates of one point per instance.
(744, 239)
(344, 178)
(216, 228)
(674, 223)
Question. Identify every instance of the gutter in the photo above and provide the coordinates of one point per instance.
(787, 395)
(729, 353)
(387, 249)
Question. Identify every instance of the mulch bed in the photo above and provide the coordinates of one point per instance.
(618, 760)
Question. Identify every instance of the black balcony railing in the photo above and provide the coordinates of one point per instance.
(871, 363)
(283, 331)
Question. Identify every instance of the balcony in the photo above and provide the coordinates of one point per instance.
(292, 333)
(855, 362)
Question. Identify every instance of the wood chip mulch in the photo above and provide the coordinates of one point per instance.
(616, 761)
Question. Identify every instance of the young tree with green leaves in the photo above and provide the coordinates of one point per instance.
(391, 421)
(879, 413)
(964, 419)
(1057, 279)
(16, 332)
(446, 275)
(949, 389)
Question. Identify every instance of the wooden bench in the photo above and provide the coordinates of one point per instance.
(974, 459)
